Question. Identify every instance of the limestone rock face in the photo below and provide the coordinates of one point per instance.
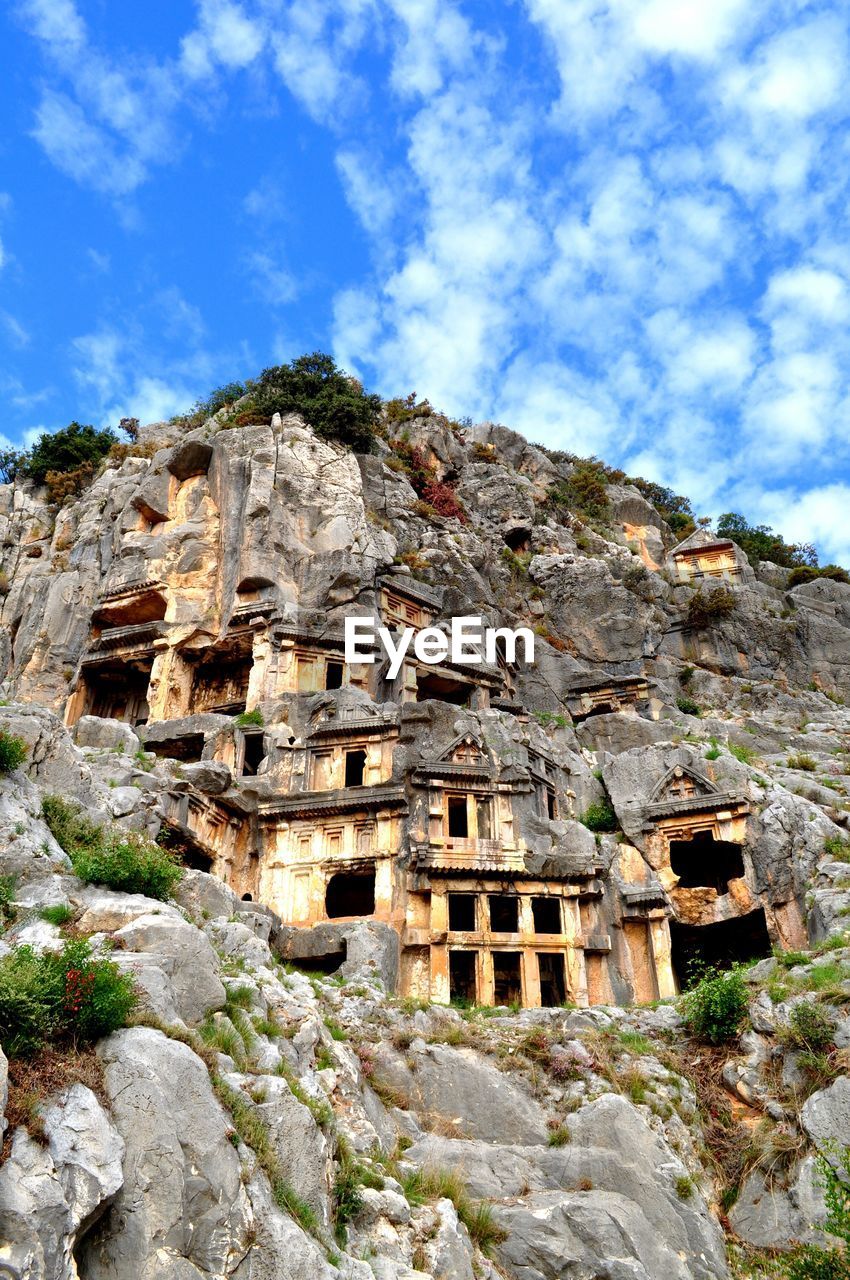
(191, 961)
(182, 1197)
(48, 1193)
(609, 1194)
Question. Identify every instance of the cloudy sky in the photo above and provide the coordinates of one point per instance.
(620, 226)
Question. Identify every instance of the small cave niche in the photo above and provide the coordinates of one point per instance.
(350, 893)
(463, 982)
(333, 675)
(504, 913)
(507, 977)
(462, 912)
(546, 913)
(118, 691)
(131, 609)
(247, 897)
(553, 983)
(253, 754)
(717, 946)
(187, 850)
(325, 962)
(598, 709)
(443, 689)
(355, 768)
(519, 539)
(221, 683)
(188, 748)
(706, 863)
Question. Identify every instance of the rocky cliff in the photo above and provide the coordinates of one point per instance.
(496, 876)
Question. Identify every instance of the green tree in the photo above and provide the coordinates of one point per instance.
(66, 450)
(334, 405)
(759, 542)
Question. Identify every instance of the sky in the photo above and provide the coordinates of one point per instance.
(618, 226)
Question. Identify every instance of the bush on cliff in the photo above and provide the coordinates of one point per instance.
(121, 860)
(705, 607)
(13, 752)
(807, 573)
(66, 450)
(715, 1007)
(70, 996)
(332, 403)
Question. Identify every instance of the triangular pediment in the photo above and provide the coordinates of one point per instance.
(466, 749)
(682, 782)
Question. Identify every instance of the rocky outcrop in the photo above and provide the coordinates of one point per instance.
(297, 1099)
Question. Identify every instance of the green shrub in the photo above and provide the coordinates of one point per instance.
(130, 864)
(746, 755)
(807, 573)
(705, 607)
(334, 405)
(59, 914)
(600, 816)
(121, 860)
(688, 706)
(714, 1009)
(13, 752)
(802, 762)
(66, 997)
(811, 1027)
(585, 492)
(7, 898)
(250, 717)
(838, 848)
(66, 450)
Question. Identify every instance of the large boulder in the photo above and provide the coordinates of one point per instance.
(458, 1087)
(192, 964)
(52, 1193)
(182, 1197)
(606, 1204)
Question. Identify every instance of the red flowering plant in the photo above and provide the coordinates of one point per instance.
(72, 996)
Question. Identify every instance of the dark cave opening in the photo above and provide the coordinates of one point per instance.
(706, 863)
(717, 946)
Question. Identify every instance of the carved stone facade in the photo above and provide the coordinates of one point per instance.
(447, 802)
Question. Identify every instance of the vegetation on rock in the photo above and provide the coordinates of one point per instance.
(122, 860)
(13, 751)
(70, 996)
(715, 1007)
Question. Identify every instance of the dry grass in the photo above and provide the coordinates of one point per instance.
(33, 1080)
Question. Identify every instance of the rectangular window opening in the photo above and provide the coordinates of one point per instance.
(333, 675)
(547, 915)
(507, 979)
(553, 987)
(462, 912)
(504, 913)
(458, 822)
(463, 984)
(355, 768)
(253, 755)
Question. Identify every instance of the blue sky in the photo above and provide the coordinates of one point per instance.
(620, 226)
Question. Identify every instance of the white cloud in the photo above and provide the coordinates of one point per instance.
(17, 334)
(56, 21)
(225, 36)
(816, 515)
(82, 150)
(275, 283)
(796, 74)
